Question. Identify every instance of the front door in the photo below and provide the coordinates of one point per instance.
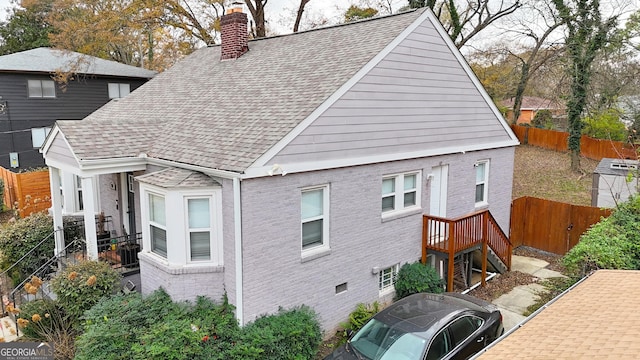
(128, 212)
(131, 209)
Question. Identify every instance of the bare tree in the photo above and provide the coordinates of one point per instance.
(296, 25)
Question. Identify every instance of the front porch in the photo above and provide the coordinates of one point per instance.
(457, 239)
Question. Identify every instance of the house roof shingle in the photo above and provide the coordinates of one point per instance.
(597, 319)
(534, 103)
(225, 114)
(51, 60)
(173, 177)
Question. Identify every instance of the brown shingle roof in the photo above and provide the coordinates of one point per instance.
(226, 114)
(597, 319)
(534, 103)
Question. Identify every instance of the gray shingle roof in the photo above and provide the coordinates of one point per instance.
(226, 114)
(175, 177)
(51, 60)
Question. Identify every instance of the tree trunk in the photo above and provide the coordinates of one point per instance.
(257, 12)
(296, 26)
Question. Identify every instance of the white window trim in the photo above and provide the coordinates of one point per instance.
(485, 195)
(119, 95)
(45, 130)
(399, 207)
(211, 229)
(29, 95)
(391, 287)
(324, 247)
(158, 225)
(178, 252)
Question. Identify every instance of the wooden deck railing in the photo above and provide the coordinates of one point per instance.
(451, 236)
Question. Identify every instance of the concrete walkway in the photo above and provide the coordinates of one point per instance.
(514, 303)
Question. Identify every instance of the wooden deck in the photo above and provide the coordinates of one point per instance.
(478, 230)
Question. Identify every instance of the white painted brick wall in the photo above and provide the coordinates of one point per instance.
(274, 275)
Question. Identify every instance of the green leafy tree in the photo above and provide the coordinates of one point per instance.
(354, 13)
(605, 125)
(543, 119)
(587, 33)
(26, 28)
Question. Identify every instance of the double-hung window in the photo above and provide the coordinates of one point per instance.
(314, 207)
(158, 225)
(199, 220)
(41, 88)
(400, 192)
(117, 91)
(482, 180)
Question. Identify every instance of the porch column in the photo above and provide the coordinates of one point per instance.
(88, 201)
(56, 209)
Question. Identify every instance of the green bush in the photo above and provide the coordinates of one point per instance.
(82, 285)
(605, 125)
(416, 278)
(612, 243)
(360, 316)
(17, 238)
(543, 119)
(114, 324)
(154, 327)
(292, 334)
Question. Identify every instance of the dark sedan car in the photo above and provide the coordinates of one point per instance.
(425, 326)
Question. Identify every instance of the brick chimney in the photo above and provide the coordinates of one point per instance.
(233, 34)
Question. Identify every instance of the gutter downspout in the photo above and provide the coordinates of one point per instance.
(237, 223)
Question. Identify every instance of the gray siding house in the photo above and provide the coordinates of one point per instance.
(31, 101)
(294, 169)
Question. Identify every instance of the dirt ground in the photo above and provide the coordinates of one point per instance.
(547, 174)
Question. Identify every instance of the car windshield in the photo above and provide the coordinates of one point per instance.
(379, 341)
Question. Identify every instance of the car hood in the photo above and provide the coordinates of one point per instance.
(341, 353)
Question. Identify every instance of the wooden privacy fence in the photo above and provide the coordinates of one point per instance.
(27, 192)
(550, 225)
(595, 149)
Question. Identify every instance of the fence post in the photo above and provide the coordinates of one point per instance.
(452, 254)
(485, 240)
(424, 239)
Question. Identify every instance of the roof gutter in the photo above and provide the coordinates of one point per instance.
(520, 324)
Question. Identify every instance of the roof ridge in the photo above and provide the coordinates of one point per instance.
(404, 12)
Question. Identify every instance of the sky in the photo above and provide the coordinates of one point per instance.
(278, 10)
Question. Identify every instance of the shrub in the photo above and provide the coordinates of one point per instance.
(133, 327)
(292, 334)
(46, 321)
(605, 125)
(358, 318)
(613, 243)
(82, 285)
(154, 327)
(114, 324)
(416, 278)
(17, 238)
(543, 119)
